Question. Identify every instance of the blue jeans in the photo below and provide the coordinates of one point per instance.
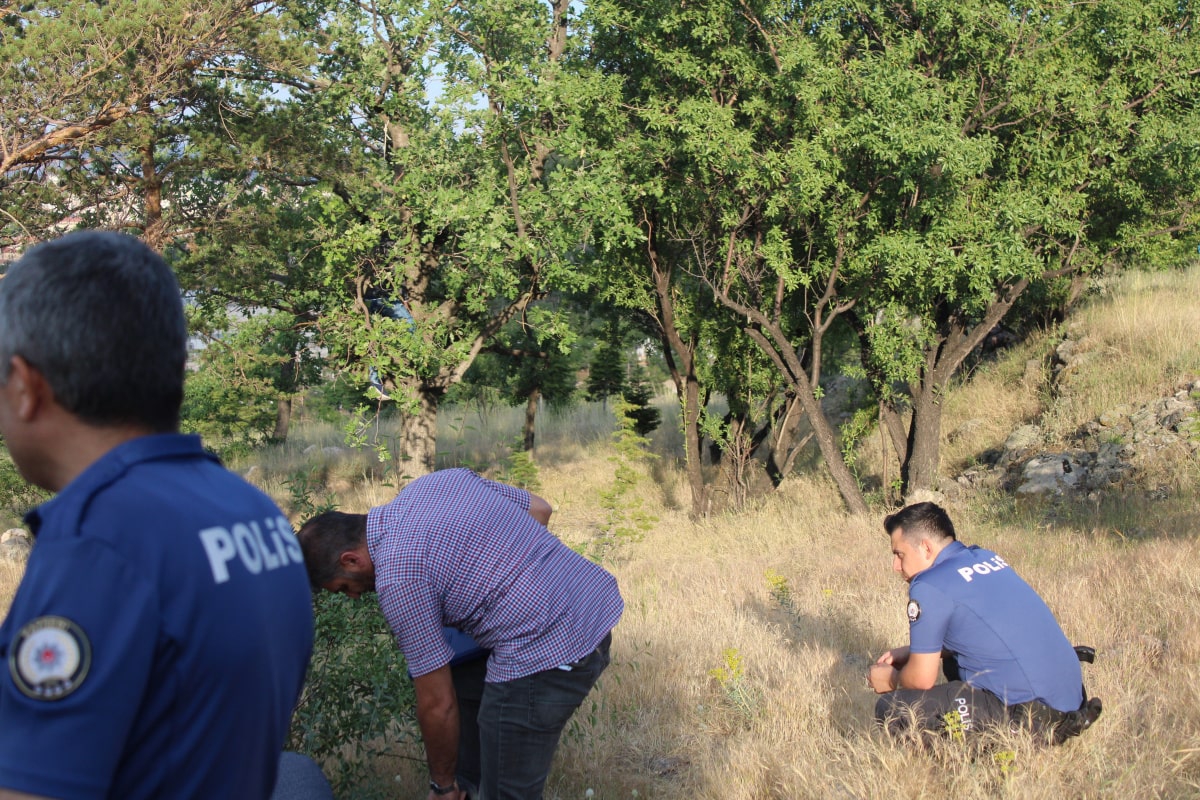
(520, 723)
(300, 779)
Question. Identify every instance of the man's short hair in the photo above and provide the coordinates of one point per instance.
(919, 521)
(324, 538)
(100, 316)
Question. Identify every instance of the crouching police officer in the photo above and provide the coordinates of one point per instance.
(1005, 658)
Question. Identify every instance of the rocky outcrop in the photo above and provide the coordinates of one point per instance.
(1105, 453)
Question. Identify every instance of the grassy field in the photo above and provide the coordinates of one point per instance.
(739, 666)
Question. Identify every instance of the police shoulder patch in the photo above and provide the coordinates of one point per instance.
(914, 611)
(49, 658)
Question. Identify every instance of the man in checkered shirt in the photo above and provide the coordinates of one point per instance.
(456, 550)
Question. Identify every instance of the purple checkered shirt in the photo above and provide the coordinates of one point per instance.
(457, 549)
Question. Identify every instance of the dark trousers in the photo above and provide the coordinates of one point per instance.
(958, 708)
(946, 708)
(508, 732)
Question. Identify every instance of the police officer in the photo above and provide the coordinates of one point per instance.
(972, 617)
(159, 639)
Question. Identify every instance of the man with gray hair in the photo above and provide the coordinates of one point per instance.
(158, 642)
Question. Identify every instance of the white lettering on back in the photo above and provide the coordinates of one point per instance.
(982, 568)
(289, 540)
(270, 559)
(247, 548)
(246, 542)
(218, 544)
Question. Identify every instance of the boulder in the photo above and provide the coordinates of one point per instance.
(15, 544)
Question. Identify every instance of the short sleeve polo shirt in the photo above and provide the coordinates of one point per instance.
(972, 603)
(159, 640)
(455, 549)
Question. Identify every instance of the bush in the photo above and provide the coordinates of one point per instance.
(358, 701)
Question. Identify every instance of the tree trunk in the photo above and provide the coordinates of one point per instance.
(531, 404)
(786, 442)
(958, 337)
(283, 419)
(418, 436)
(691, 434)
(920, 470)
(153, 226)
(822, 431)
(680, 355)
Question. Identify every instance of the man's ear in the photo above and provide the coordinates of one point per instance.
(351, 559)
(29, 388)
(927, 548)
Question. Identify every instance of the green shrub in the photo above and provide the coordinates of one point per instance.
(358, 701)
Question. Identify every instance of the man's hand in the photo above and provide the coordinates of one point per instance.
(882, 677)
(437, 714)
(896, 657)
(898, 668)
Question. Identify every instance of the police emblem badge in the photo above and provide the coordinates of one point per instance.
(49, 658)
(914, 611)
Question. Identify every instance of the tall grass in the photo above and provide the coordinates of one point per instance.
(739, 666)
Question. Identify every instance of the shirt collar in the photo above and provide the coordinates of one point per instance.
(112, 465)
(948, 552)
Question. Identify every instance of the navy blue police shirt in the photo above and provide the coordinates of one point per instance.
(972, 603)
(158, 642)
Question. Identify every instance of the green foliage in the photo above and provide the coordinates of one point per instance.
(332, 399)
(362, 429)
(854, 431)
(358, 701)
(736, 690)
(302, 485)
(625, 516)
(646, 418)
(520, 469)
(780, 590)
(98, 96)
(16, 495)
(606, 371)
(245, 370)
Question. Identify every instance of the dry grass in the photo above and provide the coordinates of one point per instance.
(1138, 343)
(10, 576)
(805, 598)
(739, 665)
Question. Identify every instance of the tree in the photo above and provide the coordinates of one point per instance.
(460, 189)
(910, 168)
(725, 113)
(606, 370)
(90, 90)
(638, 396)
(1010, 149)
(528, 362)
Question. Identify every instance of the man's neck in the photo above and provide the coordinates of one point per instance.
(75, 446)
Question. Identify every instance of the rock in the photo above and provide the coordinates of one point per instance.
(15, 544)
(1114, 417)
(1144, 419)
(1023, 438)
(1051, 472)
